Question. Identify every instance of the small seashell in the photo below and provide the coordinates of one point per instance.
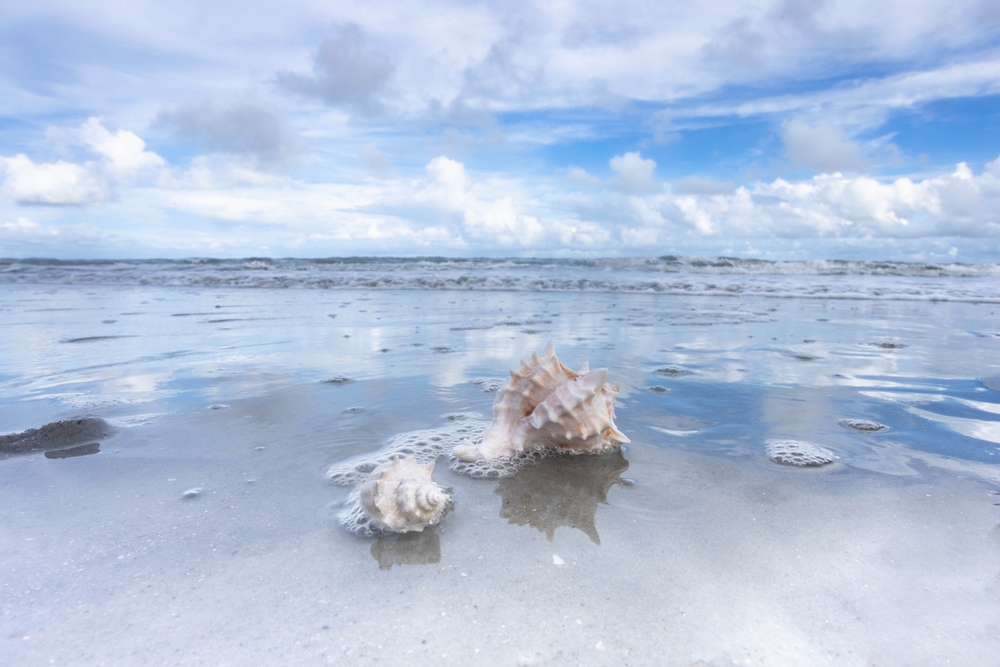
(545, 405)
(400, 497)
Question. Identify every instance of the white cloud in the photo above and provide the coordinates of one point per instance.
(833, 205)
(485, 216)
(822, 147)
(864, 102)
(635, 173)
(124, 152)
(55, 183)
(62, 183)
(23, 229)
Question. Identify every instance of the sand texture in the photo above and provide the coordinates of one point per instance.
(204, 530)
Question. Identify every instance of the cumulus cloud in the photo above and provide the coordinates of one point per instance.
(959, 203)
(822, 147)
(246, 128)
(124, 152)
(485, 217)
(55, 183)
(635, 173)
(347, 72)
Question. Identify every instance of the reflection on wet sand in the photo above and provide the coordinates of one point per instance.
(421, 548)
(561, 491)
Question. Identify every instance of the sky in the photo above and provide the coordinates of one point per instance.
(770, 129)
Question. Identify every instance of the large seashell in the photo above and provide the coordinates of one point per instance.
(399, 496)
(545, 405)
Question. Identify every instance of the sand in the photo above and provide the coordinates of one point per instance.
(689, 547)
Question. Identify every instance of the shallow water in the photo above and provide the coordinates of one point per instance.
(689, 547)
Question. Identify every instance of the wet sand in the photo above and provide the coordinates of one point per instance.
(689, 547)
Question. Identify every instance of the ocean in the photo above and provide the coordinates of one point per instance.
(183, 511)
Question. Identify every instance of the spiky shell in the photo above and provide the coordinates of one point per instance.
(545, 405)
(399, 496)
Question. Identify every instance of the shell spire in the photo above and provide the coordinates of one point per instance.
(399, 496)
(545, 405)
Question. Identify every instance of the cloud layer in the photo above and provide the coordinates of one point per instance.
(792, 128)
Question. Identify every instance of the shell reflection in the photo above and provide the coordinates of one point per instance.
(422, 548)
(561, 491)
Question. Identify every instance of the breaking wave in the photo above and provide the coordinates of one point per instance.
(717, 276)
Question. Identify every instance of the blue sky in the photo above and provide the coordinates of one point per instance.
(791, 129)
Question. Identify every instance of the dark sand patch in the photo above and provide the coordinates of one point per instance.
(55, 435)
(93, 339)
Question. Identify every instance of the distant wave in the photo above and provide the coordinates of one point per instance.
(706, 276)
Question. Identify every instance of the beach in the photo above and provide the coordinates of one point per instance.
(205, 531)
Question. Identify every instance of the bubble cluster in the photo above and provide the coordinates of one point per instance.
(354, 519)
(863, 425)
(424, 445)
(488, 385)
(798, 453)
(507, 466)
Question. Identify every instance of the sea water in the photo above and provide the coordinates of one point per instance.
(204, 529)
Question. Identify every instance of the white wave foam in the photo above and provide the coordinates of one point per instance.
(819, 279)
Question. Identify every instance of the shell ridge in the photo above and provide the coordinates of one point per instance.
(545, 405)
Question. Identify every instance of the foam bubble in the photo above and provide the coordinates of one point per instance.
(356, 521)
(863, 425)
(508, 465)
(488, 385)
(798, 453)
(424, 445)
